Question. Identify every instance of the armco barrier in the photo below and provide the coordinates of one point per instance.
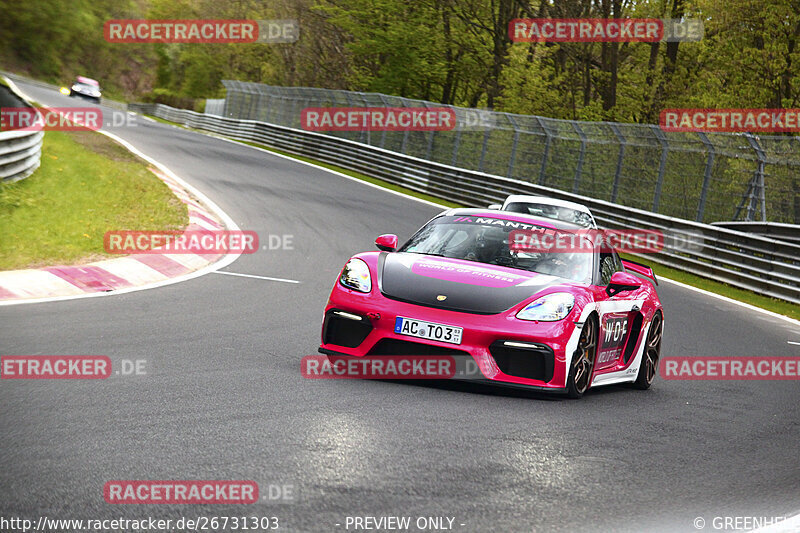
(784, 232)
(768, 266)
(20, 151)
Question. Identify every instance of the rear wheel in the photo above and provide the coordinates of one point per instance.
(580, 372)
(652, 351)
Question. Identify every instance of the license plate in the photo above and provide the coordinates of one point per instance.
(427, 330)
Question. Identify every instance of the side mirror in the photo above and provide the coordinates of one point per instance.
(622, 281)
(387, 242)
(496, 207)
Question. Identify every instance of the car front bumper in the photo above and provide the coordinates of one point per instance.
(505, 350)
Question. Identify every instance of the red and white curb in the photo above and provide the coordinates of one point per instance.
(130, 273)
(114, 274)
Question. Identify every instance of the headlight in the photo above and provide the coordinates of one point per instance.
(548, 308)
(356, 276)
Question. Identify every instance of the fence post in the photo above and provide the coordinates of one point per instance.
(274, 105)
(662, 166)
(365, 133)
(429, 151)
(514, 143)
(546, 154)
(383, 133)
(251, 109)
(485, 145)
(456, 144)
(620, 159)
(579, 168)
(225, 102)
(706, 176)
(405, 134)
(758, 180)
(295, 118)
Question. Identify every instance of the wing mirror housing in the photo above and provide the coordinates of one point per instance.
(387, 242)
(496, 207)
(621, 282)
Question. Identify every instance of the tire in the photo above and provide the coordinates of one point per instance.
(582, 364)
(652, 352)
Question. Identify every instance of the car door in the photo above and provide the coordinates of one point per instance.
(620, 320)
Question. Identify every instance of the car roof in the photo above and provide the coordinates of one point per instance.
(88, 81)
(516, 217)
(522, 198)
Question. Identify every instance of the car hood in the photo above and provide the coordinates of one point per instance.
(457, 285)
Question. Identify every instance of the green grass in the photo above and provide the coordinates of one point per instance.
(87, 185)
(765, 302)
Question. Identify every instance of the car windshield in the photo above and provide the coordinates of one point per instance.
(86, 86)
(487, 240)
(565, 214)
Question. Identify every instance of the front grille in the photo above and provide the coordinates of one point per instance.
(344, 331)
(528, 363)
(401, 347)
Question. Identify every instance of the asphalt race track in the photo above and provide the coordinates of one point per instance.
(223, 397)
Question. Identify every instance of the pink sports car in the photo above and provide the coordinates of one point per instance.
(560, 321)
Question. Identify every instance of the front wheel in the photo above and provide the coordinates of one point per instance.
(652, 352)
(580, 372)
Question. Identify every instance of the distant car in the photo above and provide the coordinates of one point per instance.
(559, 322)
(86, 88)
(544, 207)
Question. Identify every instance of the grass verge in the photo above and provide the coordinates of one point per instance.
(86, 185)
(765, 302)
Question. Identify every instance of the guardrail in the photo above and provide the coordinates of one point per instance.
(776, 230)
(768, 266)
(20, 151)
